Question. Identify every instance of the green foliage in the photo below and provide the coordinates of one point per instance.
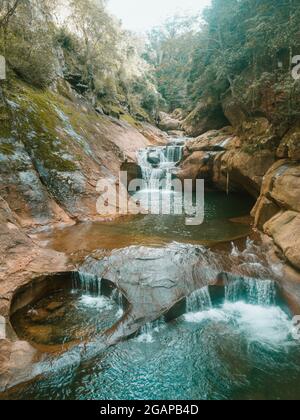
(27, 43)
(88, 48)
(241, 48)
(169, 50)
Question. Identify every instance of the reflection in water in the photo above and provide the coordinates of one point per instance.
(67, 316)
(238, 347)
(158, 230)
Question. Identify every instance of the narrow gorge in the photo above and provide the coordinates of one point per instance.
(146, 304)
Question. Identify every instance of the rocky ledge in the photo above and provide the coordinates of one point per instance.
(264, 166)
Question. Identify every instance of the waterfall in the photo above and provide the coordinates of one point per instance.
(157, 165)
(174, 153)
(88, 283)
(147, 331)
(199, 300)
(117, 296)
(256, 292)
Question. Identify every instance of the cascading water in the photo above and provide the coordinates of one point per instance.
(199, 300)
(147, 331)
(88, 283)
(118, 298)
(256, 292)
(157, 164)
(174, 153)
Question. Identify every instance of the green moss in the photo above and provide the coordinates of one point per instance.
(130, 120)
(6, 149)
(37, 122)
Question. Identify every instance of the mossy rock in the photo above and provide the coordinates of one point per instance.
(130, 120)
(36, 125)
(6, 149)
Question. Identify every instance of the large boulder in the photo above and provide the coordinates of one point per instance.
(199, 165)
(277, 211)
(168, 123)
(214, 141)
(208, 115)
(290, 145)
(282, 185)
(242, 171)
(284, 228)
(53, 151)
(217, 156)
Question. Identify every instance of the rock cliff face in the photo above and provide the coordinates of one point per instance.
(54, 147)
(260, 162)
(219, 158)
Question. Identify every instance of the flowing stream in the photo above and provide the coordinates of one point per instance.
(232, 341)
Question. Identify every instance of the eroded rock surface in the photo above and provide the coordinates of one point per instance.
(249, 162)
(277, 212)
(55, 148)
(218, 157)
(168, 123)
(21, 261)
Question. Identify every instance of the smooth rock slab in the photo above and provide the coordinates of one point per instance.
(153, 280)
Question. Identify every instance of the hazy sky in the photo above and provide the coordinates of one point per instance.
(141, 15)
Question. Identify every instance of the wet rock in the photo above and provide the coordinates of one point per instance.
(214, 141)
(133, 171)
(22, 188)
(153, 280)
(199, 165)
(284, 228)
(263, 211)
(38, 315)
(290, 145)
(54, 306)
(153, 158)
(40, 333)
(16, 360)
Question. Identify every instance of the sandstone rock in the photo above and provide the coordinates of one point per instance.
(53, 150)
(259, 133)
(153, 134)
(168, 123)
(208, 115)
(234, 112)
(16, 360)
(263, 211)
(133, 171)
(214, 141)
(199, 165)
(245, 171)
(53, 306)
(284, 228)
(153, 280)
(217, 157)
(290, 145)
(282, 185)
